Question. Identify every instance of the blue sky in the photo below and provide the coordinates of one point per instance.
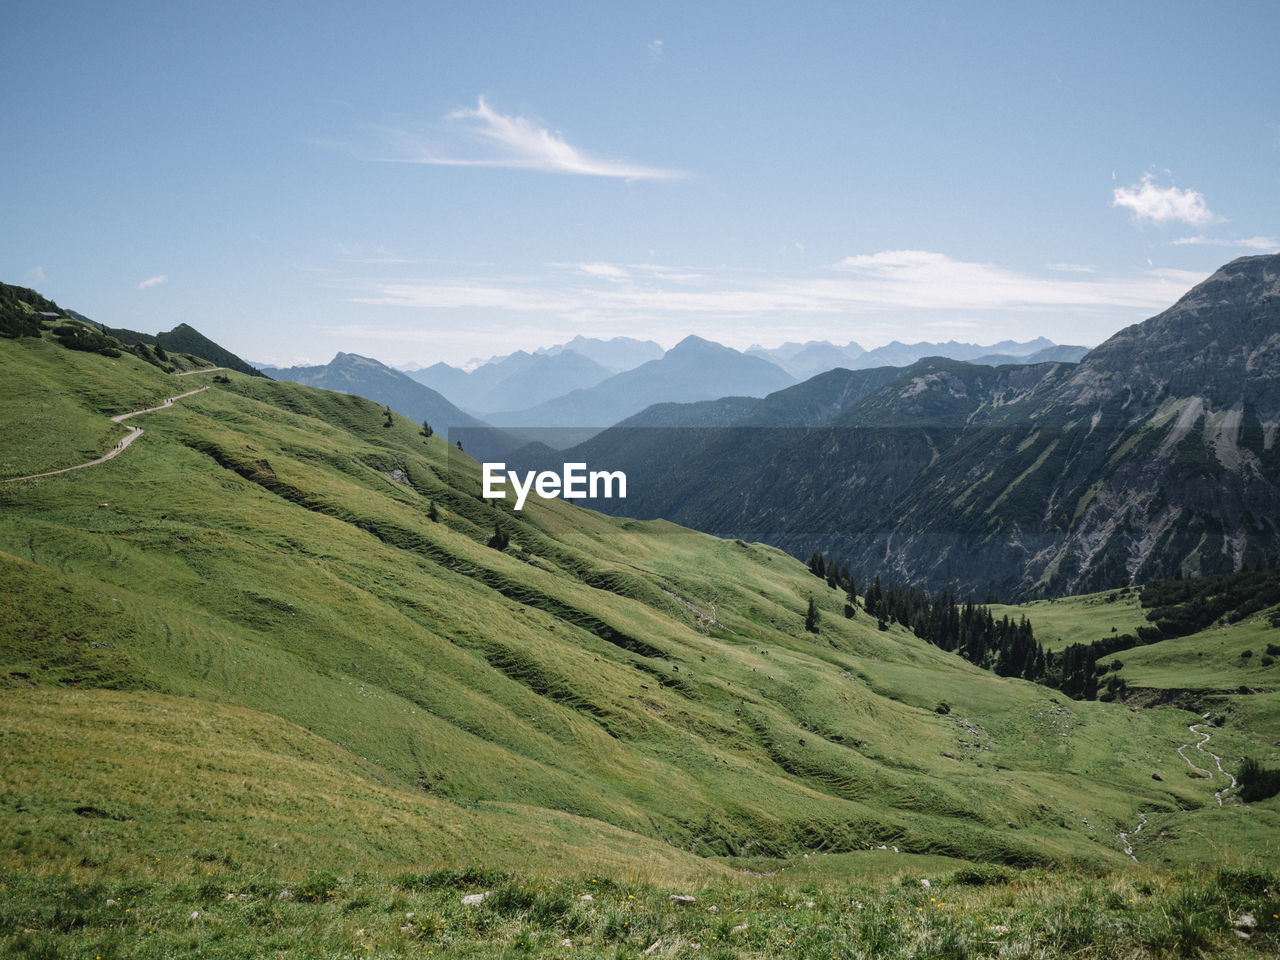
(425, 181)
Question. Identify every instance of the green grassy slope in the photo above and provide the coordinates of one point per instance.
(1233, 698)
(262, 559)
(1083, 619)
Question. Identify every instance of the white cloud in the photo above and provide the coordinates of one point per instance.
(927, 280)
(611, 270)
(655, 50)
(917, 281)
(153, 281)
(1071, 268)
(1163, 204)
(1263, 244)
(34, 276)
(498, 140)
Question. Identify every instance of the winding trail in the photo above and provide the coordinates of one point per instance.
(133, 434)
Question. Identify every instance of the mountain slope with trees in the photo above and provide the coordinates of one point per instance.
(1155, 454)
(278, 552)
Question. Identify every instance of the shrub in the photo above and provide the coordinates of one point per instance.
(1257, 782)
(981, 875)
(318, 887)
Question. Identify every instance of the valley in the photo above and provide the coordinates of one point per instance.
(271, 647)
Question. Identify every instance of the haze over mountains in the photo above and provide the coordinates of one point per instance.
(366, 377)
(1154, 455)
(804, 360)
(588, 384)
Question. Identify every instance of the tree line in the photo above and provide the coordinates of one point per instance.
(969, 629)
(1174, 607)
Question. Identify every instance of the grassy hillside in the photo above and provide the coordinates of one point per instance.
(244, 645)
(1083, 619)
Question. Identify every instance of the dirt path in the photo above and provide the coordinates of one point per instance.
(187, 373)
(133, 434)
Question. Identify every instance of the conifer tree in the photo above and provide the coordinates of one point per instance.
(811, 618)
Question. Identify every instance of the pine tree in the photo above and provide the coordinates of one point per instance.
(432, 512)
(811, 618)
(426, 430)
(817, 565)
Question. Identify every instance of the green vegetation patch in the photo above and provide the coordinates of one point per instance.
(485, 913)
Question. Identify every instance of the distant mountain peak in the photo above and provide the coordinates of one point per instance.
(693, 343)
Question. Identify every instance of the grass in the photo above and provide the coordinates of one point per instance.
(963, 914)
(1210, 659)
(245, 649)
(1066, 620)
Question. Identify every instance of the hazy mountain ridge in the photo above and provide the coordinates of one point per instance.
(1154, 454)
(615, 354)
(693, 370)
(516, 380)
(539, 389)
(366, 377)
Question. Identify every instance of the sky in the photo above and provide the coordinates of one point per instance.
(427, 181)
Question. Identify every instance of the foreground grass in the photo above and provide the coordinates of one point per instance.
(972, 912)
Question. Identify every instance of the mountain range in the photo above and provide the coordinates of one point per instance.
(694, 369)
(318, 588)
(1155, 455)
(532, 389)
(366, 377)
(275, 671)
(804, 360)
(517, 380)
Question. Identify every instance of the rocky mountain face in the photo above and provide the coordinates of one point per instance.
(1156, 453)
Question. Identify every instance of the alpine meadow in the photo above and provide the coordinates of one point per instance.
(640, 481)
(279, 680)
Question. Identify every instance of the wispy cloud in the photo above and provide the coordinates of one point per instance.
(609, 270)
(483, 137)
(898, 280)
(655, 50)
(1163, 204)
(1261, 244)
(925, 279)
(153, 281)
(34, 276)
